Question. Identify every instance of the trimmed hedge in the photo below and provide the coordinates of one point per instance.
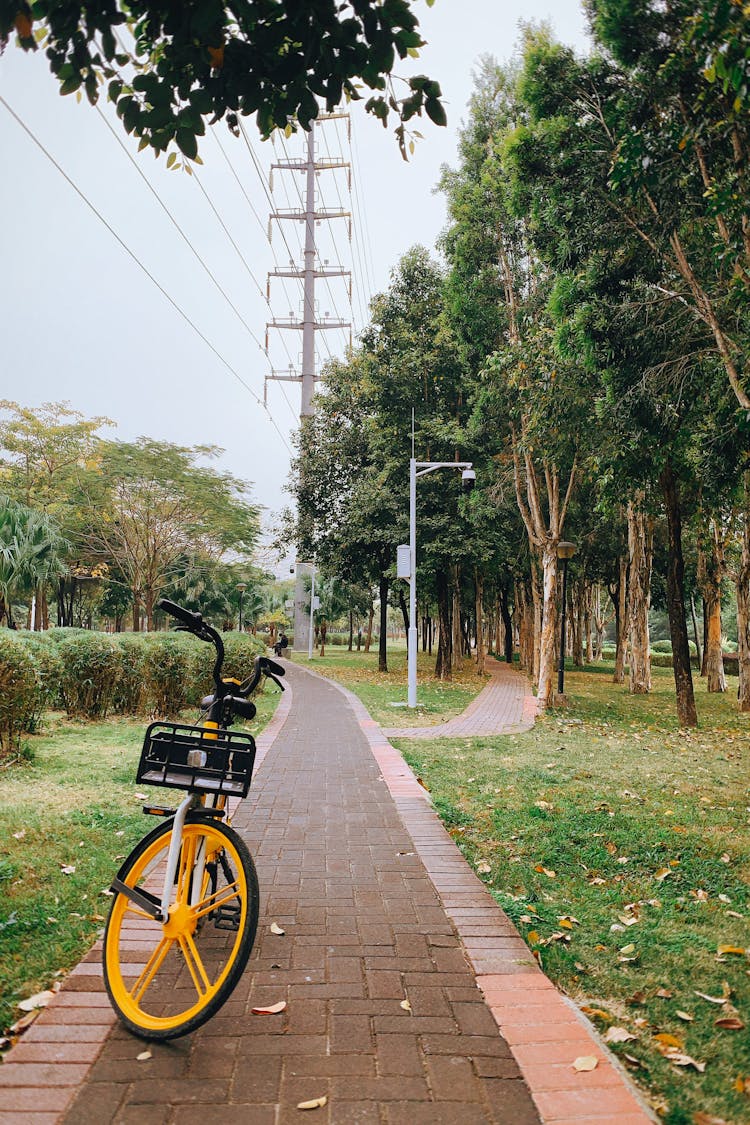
(90, 674)
(19, 692)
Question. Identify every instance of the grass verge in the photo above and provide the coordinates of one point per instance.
(620, 847)
(69, 813)
(384, 693)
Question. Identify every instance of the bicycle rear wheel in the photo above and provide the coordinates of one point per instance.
(166, 979)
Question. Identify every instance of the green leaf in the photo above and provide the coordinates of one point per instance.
(70, 85)
(435, 111)
(187, 143)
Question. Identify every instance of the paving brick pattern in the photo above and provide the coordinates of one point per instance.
(505, 706)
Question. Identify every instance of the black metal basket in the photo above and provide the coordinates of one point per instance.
(197, 759)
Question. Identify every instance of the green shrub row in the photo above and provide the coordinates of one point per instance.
(90, 675)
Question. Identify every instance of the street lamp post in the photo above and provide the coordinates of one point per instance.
(241, 586)
(421, 469)
(565, 551)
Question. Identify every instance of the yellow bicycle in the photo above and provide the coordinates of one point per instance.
(185, 906)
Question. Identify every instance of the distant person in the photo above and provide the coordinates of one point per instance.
(281, 644)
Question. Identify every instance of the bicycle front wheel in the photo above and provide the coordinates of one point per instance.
(165, 979)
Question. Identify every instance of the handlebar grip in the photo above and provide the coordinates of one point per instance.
(270, 667)
(186, 616)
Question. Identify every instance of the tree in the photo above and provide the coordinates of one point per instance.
(31, 551)
(170, 67)
(150, 505)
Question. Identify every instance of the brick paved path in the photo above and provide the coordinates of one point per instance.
(505, 706)
(374, 914)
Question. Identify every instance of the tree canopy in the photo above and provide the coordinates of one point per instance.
(169, 67)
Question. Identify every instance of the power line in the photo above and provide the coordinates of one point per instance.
(141, 266)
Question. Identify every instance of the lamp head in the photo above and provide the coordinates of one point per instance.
(468, 480)
(566, 550)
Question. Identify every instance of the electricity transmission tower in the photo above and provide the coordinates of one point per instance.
(310, 323)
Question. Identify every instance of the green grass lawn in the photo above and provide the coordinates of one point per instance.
(620, 847)
(68, 815)
(384, 694)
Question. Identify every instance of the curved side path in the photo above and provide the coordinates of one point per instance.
(378, 906)
(505, 705)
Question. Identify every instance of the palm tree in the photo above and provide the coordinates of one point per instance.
(31, 552)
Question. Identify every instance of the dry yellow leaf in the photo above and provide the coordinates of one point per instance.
(679, 1059)
(597, 1013)
(668, 1041)
(271, 1010)
(314, 1103)
(627, 949)
(664, 994)
(585, 1062)
(143, 1056)
(38, 1000)
(684, 1016)
(736, 949)
(661, 874)
(618, 1035)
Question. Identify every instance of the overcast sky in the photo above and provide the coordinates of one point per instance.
(82, 321)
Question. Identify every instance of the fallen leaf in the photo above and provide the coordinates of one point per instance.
(271, 1010)
(638, 997)
(19, 835)
(661, 874)
(741, 1085)
(141, 797)
(685, 1060)
(405, 1005)
(424, 786)
(585, 1062)
(597, 1013)
(543, 805)
(733, 914)
(665, 994)
(26, 1021)
(725, 898)
(276, 929)
(726, 858)
(628, 919)
(618, 1035)
(67, 869)
(628, 949)
(314, 1103)
(631, 1060)
(712, 999)
(729, 1023)
(701, 1118)
(623, 859)
(545, 871)
(483, 867)
(735, 949)
(143, 1056)
(667, 1041)
(38, 1000)
(684, 1016)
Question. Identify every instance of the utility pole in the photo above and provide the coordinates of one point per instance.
(309, 324)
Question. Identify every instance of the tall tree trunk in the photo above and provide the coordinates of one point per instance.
(443, 660)
(383, 644)
(525, 612)
(548, 640)
(575, 616)
(537, 596)
(479, 588)
(640, 547)
(404, 609)
(696, 635)
(742, 586)
(507, 627)
(711, 572)
(370, 618)
(683, 677)
(619, 597)
(351, 630)
(136, 611)
(457, 640)
(587, 640)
